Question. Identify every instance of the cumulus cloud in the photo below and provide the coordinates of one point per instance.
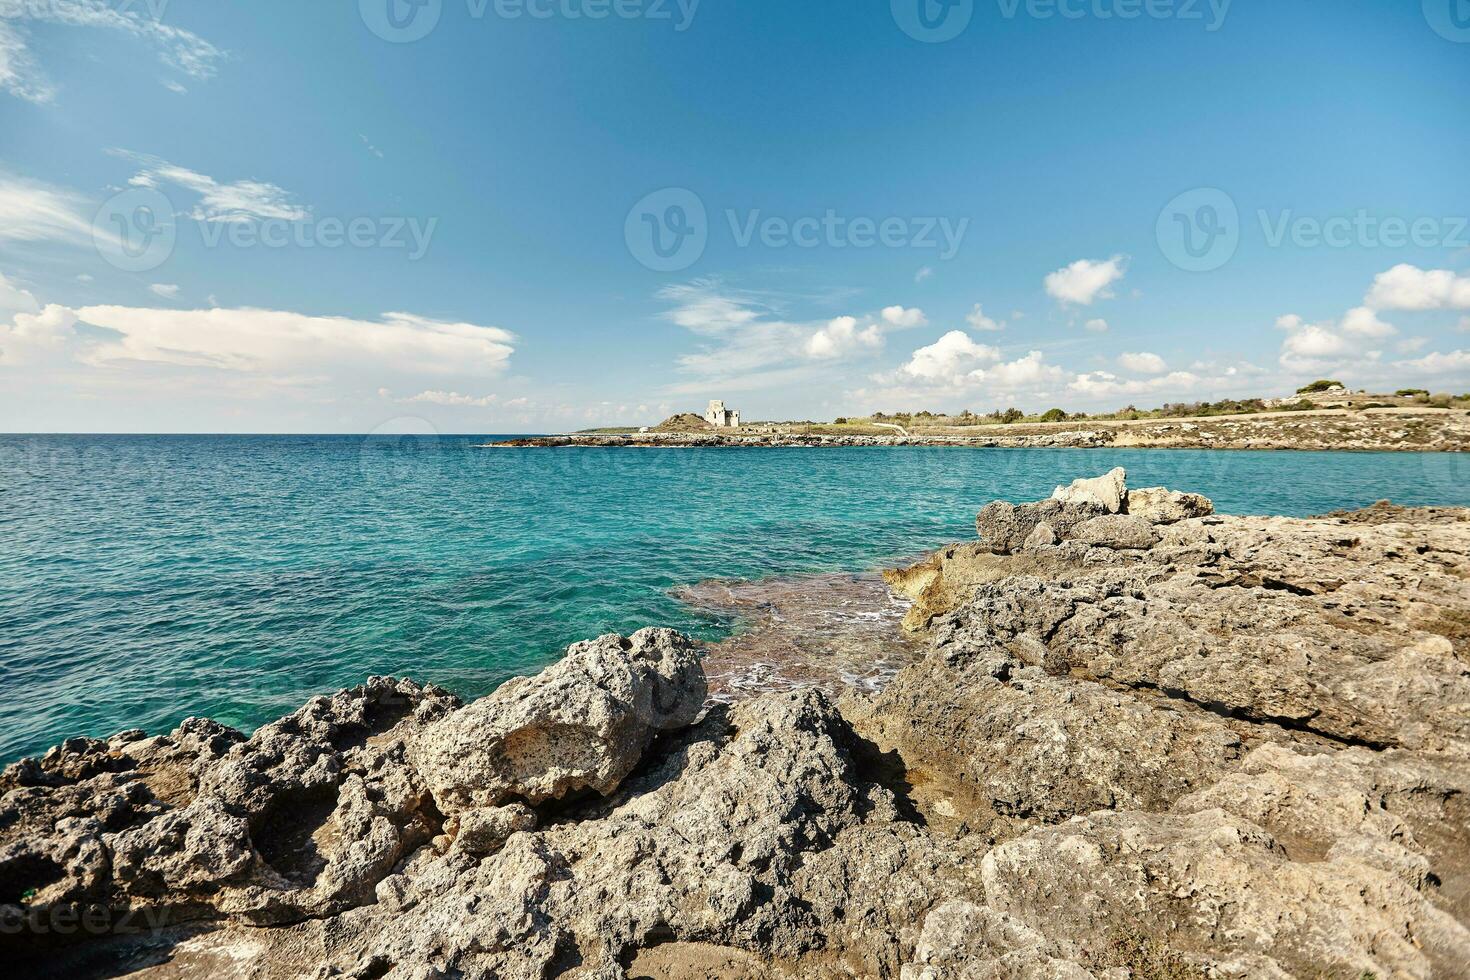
(1407, 287)
(1025, 372)
(1363, 322)
(1098, 325)
(1086, 280)
(977, 320)
(30, 337)
(1102, 383)
(21, 75)
(233, 202)
(167, 290)
(897, 316)
(1142, 362)
(949, 360)
(1437, 364)
(843, 335)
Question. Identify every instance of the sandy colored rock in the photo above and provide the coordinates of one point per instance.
(1109, 491)
(1160, 505)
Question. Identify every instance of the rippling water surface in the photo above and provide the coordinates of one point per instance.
(144, 579)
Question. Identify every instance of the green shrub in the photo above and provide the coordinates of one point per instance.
(1322, 384)
(1054, 415)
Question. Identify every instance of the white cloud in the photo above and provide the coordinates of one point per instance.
(1329, 346)
(1142, 362)
(748, 345)
(1465, 323)
(1430, 365)
(1101, 383)
(237, 202)
(925, 272)
(167, 290)
(434, 397)
(1406, 287)
(1363, 322)
(1098, 325)
(278, 342)
(977, 320)
(1086, 280)
(21, 76)
(949, 359)
(843, 335)
(1311, 346)
(30, 337)
(14, 299)
(1411, 344)
(899, 317)
(1025, 372)
(31, 211)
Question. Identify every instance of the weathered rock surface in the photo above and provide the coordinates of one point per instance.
(1109, 491)
(1147, 742)
(582, 723)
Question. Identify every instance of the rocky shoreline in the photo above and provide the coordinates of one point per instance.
(1371, 431)
(1143, 741)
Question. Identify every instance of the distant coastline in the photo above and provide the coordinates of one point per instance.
(1391, 429)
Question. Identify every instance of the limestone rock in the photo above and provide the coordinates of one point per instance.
(582, 723)
(1109, 491)
(1004, 528)
(1159, 505)
(1116, 531)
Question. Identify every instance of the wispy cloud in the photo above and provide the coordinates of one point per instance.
(231, 202)
(22, 76)
(31, 211)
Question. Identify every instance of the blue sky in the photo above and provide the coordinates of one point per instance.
(268, 217)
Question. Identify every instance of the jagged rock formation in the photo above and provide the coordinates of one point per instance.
(1148, 742)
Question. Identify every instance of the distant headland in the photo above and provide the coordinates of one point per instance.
(1322, 415)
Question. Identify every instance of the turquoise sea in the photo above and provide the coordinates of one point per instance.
(147, 578)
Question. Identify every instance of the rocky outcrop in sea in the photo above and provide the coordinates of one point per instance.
(1144, 741)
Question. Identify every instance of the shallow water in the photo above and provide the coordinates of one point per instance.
(144, 579)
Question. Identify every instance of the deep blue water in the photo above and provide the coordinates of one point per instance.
(144, 579)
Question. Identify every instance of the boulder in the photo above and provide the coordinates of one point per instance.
(580, 724)
(1109, 491)
(1160, 505)
(1005, 527)
(1116, 531)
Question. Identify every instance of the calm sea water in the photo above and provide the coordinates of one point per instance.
(145, 579)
